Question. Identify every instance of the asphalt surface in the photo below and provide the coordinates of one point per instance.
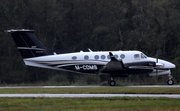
(87, 86)
(90, 95)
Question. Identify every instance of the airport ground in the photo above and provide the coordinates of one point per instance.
(91, 103)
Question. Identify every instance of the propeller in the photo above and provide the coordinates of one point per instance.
(156, 63)
(157, 57)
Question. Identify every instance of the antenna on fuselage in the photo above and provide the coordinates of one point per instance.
(90, 50)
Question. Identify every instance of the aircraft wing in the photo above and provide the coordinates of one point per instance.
(117, 67)
(113, 66)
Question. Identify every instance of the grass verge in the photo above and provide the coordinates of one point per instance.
(89, 104)
(93, 90)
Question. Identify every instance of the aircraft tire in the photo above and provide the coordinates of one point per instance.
(112, 83)
(109, 81)
(170, 82)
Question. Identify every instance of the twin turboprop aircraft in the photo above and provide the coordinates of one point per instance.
(112, 63)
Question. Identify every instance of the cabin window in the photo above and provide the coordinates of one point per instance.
(86, 57)
(136, 56)
(116, 56)
(103, 57)
(74, 58)
(122, 56)
(108, 56)
(96, 57)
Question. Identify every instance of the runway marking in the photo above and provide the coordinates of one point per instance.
(90, 95)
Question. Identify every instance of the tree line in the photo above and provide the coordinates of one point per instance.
(150, 26)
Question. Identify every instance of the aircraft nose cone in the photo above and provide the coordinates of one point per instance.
(169, 65)
(173, 65)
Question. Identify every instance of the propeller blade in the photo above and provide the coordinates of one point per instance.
(156, 63)
(157, 57)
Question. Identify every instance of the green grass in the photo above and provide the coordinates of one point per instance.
(93, 90)
(89, 104)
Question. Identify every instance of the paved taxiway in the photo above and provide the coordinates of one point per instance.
(90, 95)
(87, 86)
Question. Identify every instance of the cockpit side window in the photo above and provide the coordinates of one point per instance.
(143, 56)
(136, 56)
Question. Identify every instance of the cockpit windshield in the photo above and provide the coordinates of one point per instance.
(143, 56)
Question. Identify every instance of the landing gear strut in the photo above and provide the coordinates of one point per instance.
(170, 81)
(111, 82)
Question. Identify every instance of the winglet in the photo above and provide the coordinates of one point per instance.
(112, 56)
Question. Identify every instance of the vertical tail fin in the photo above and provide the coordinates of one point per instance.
(27, 43)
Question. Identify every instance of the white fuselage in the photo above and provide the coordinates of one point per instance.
(91, 61)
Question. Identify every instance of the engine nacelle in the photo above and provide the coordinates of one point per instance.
(160, 72)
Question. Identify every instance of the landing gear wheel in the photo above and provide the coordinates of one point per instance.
(112, 83)
(170, 82)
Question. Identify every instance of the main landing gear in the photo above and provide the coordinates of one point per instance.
(170, 81)
(111, 82)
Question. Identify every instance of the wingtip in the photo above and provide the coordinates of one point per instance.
(110, 53)
(112, 56)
